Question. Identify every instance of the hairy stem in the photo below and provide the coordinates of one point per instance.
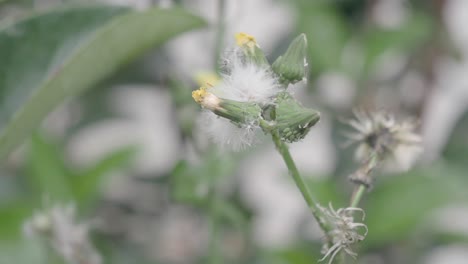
(294, 172)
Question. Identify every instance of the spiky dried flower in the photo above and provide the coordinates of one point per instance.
(66, 236)
(379, 133)
(345, 232)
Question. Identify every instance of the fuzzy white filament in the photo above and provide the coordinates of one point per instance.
(243, 81)
(227, 135)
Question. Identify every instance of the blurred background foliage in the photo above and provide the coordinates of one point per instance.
(122, 143)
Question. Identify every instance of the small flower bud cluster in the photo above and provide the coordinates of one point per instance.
(251, 91)
(68, 238)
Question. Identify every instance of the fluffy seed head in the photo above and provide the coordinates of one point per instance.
(226, 134)
(244, 80)
(379, 133)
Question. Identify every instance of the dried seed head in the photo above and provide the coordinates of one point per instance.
(345, 232)
(380, 134)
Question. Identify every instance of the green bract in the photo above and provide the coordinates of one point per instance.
(293, 121)
(238, 112)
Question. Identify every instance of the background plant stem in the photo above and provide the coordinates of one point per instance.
(366, 169)
(357, 195)
(221, 13)
(214, 256)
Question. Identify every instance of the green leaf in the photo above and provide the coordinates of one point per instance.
(326, 33)
(49, 177)
(399, 204)
(12, 217)
(184, 183)
(48, 57)
(409, 36)
(85, 185)
(456, 149)
(300, 254)
(232, 213)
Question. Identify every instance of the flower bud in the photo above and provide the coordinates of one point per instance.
(250, 48)
(291, 67)
(237, 112)
(292, 119)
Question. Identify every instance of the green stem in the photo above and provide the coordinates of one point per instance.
(357, 195)
(365, 172)
(294, 172)
(213, 254)
(221, 12)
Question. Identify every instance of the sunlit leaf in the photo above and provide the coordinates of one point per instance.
(51, 56)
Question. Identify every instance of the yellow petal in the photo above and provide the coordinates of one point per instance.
(245, 39)
(199, 94)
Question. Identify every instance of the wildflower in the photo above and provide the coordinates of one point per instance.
(249, 47)
(251, 90)
(238, 99)
(245, 39)
(67, 237)
(378, 135)
(345, 232)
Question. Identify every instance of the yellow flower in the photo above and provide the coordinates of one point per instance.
(206, 99)
(245, 39)
(199, 94)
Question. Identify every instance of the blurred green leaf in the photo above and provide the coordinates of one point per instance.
(22, 252)
(326, 33)
(232, 214)
(297, 256)
(400, 203)
(409, 36)
(50, 179)
(85, 184)
(325, 190)
(51, 56)
(456, 149)
(190, 183)
(12, 217)
(184, 184)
